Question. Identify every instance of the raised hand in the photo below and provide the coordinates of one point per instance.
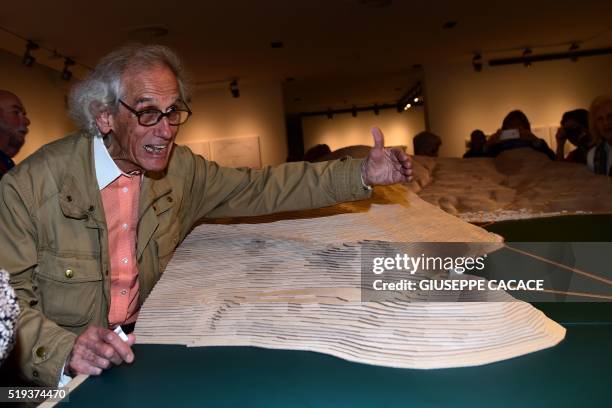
(384, 165)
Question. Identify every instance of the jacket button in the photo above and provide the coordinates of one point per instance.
(35, 373)
(169, 199)
(41, 352)
(69, 273)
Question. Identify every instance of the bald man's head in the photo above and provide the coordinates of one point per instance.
(13, 123)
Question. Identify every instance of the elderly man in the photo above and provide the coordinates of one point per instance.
(89, 222)
(13, 129)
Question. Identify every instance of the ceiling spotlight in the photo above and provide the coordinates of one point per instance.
(477, 62)
(526, 54)
(408, 106)
(28, 59)
(66, 73)
(234, 89)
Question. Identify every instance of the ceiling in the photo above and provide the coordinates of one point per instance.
(337, 52)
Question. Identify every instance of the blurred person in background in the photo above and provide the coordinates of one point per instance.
(575, 128)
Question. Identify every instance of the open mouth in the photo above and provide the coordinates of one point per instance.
(155, 148)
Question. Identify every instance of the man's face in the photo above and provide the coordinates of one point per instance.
(603, 121)
(136, 147)
(13, 124)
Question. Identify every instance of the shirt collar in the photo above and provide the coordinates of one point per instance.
(106, 169)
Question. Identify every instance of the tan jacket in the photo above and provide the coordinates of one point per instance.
(54, 241)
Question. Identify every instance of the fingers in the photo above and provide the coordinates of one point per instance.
(103, 351)
(401, 157)
(97, 349)
(379, 138)
(119, 346)
(404, 164)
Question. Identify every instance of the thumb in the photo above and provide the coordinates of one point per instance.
(379, 138)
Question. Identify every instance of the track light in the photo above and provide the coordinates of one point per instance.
(526, 54)
(572, 50)
(28, 59)
(408, 106)
(477, 62)
(66, 73)
(234, 89)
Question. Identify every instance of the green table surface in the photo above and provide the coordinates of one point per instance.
(577, 228)
(577, 372)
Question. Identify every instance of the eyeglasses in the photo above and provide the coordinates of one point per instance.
(151, 117)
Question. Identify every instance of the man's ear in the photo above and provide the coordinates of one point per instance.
(105, 122)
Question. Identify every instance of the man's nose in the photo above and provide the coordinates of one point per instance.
(166, 130)
(25, 120)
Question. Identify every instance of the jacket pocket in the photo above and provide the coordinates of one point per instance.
(70, 289)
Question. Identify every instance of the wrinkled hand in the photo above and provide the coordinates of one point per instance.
(96, 349)
(384, 165)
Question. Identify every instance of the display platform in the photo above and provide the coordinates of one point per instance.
(577, 372)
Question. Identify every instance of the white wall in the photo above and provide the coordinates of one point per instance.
(460, 100)
(42, 92)
(345, 130)
(259, 111)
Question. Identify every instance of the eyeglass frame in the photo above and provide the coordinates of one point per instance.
(138, 114)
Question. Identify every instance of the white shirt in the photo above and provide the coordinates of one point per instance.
(106, 168)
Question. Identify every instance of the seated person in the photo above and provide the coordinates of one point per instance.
(477, 144)
(426, 144)
(516, 133)
(599, 158)
(575, 128)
